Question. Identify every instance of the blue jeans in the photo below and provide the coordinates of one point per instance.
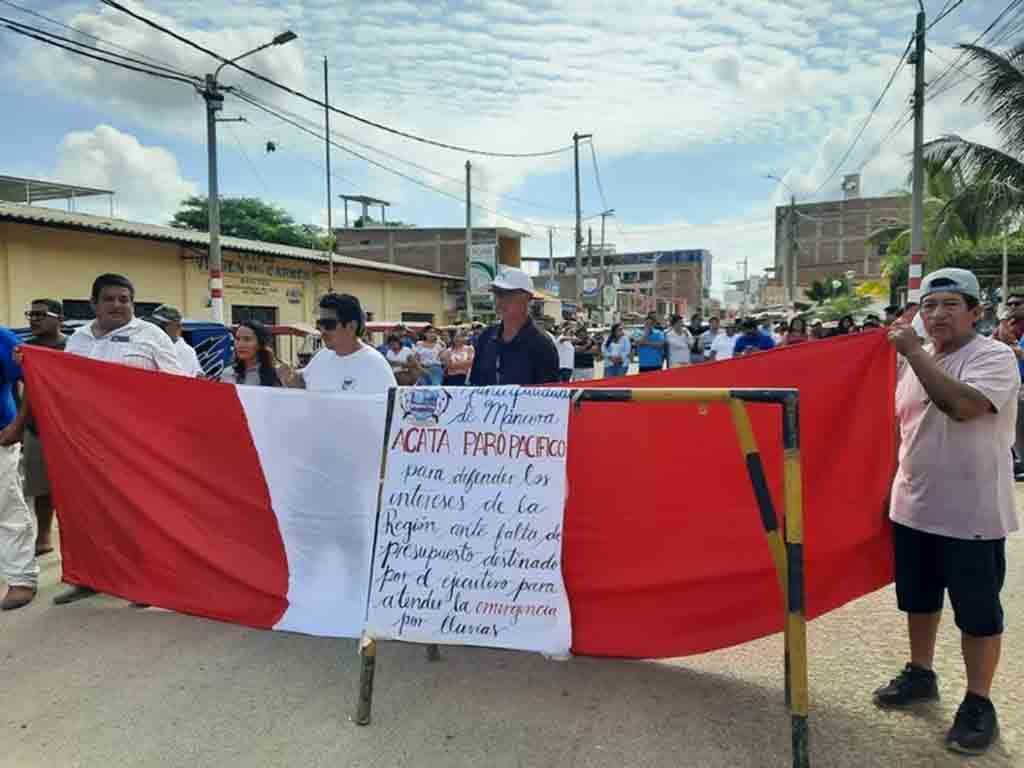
(432, 376)
(615, 370)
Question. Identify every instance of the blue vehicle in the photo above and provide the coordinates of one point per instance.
(214, 343)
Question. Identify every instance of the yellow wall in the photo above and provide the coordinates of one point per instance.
(38, 261)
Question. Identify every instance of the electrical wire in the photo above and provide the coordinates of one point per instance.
(944, 13)
(600, 188)
(312, 100)
(248, 160)
(397, 158)
(82, 32)
(53, 36)
(1014, 4)
(121, 64)
(400, 174)
(867, 120)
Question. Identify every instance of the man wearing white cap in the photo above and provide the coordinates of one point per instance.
(515, 351)
(169, 318)
(952, 502)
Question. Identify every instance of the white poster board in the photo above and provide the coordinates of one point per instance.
(469, 534)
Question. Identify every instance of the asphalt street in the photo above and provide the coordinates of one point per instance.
(103, 684)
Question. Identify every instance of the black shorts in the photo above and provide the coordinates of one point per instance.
(565, 374)
(649, 368)
(973, 571)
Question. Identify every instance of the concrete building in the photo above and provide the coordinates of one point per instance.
(666, 282)
(49, 253)
(432, 249)
(835, 237)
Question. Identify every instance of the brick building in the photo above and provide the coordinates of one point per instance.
(834, 237)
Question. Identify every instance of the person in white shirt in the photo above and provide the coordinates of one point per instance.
(566, 353)
(169, 319)
(616, 352)
(680, 342)
(403, 361)
(118, 336)
(708, 337)
(345, 364)
(723, 345)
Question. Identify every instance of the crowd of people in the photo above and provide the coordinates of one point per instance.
(956, 403)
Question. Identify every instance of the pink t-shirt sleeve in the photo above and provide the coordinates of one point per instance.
(994, 373)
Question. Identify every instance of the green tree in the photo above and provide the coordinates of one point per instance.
(824, 290)
(840, 306)
(252, 219)
(998, 174)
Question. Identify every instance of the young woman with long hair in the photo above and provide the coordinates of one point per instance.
(254, 357)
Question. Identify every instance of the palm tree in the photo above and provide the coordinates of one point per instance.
(995, 177)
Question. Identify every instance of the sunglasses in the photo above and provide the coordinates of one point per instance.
(37, 315)
(327, 323)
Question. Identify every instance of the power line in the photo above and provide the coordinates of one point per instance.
(400, 174)
(116, 63)
(397, 158)
(600, 187)
(52, 36)
(252, 165)
(943, 13)
(321, 104)
(867, 120)
(963, 53)
(961, 70)
(82, 32)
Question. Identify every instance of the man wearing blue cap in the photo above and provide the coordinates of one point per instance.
(952, 502)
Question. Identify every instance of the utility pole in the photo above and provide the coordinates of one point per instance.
(330, 218)
(746, 285)
(1006, 276)
(551, 258)
(214, 97)
(469, 245)
(917, 248)
(214, 104)
(579, 218)
(590, 251)
(791, 253)
(604, 271)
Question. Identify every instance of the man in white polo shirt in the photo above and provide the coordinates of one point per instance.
(952, 503)
(117, 336)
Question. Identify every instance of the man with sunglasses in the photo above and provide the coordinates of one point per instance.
(45, 317)
(345, 364)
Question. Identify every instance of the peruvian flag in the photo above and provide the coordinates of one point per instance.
(256, 505)
(252, 505)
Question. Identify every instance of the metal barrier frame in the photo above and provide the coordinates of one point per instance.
(785, 545)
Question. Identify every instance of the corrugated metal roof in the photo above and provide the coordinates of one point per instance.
(53, 218)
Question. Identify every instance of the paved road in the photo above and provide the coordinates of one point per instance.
(101, 684)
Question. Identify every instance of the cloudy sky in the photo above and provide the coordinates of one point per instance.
(691, 103)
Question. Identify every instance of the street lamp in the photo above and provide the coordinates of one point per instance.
(214, 103)
(789, 266)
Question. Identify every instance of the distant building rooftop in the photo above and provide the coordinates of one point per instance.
(17, 189)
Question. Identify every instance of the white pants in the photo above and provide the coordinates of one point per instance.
(18, 564)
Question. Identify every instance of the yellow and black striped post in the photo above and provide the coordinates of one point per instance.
(796, 621)
(786, 548)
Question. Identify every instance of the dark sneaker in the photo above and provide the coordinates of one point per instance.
(974, 728)
(914, 684)
(73, 595)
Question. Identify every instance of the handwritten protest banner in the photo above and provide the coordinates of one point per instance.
(469, 534)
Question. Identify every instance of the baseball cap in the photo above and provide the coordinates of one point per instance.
(951, 280)
(166, 314)
(512, 279)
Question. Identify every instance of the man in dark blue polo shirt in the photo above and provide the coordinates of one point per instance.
(752, 340)
(515, 351)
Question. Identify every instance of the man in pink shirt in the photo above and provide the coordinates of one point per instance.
(952, 502)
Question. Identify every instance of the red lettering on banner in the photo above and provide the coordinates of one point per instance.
(422, 440)
(503, 444)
